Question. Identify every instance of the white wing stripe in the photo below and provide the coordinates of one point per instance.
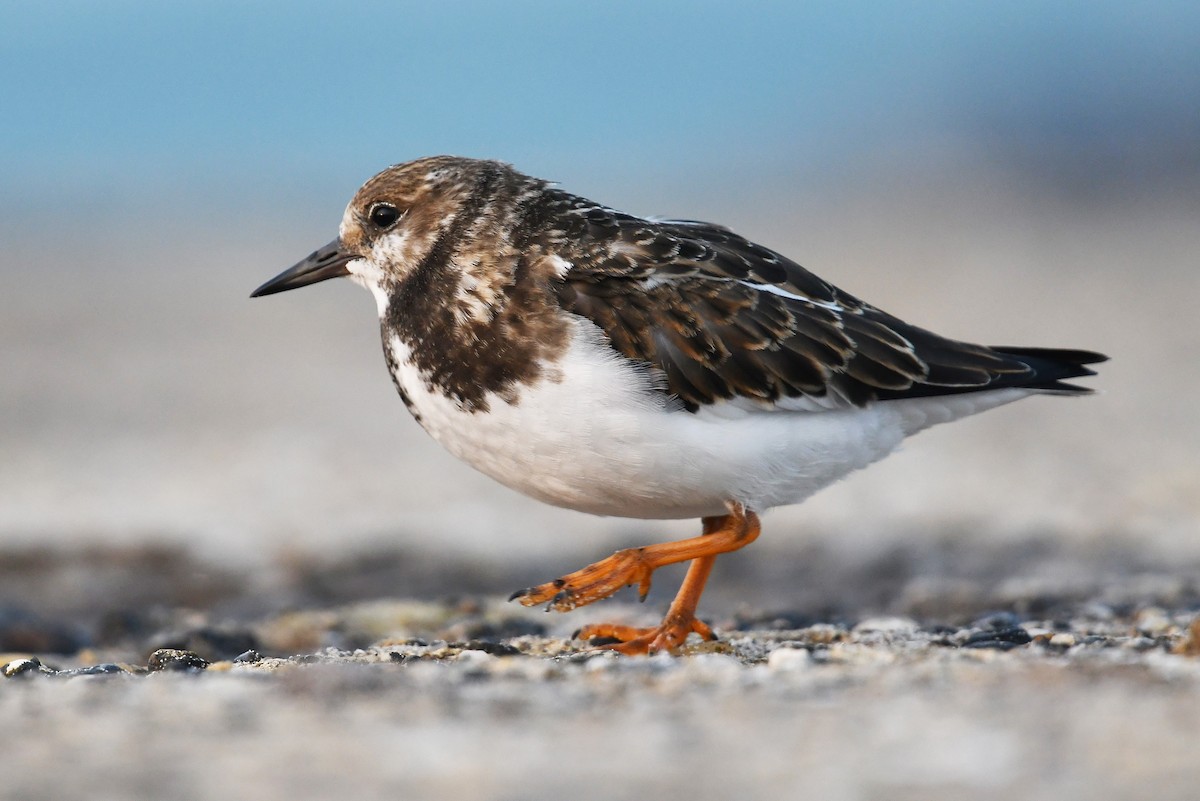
(774, 290)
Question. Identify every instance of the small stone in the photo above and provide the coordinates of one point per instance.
(823, 634)
(1152, 621)
(475, 659)
(248, 657)
(1140, 643)
(175, 659)
(1062, 640)
(493, 648)
(23, 667)
(788, 660)
(886, 625)
(1001, 639)
(102, 669)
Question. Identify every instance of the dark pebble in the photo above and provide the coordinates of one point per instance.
(103, 669)
(493, 648)
(998, 645)
(1142, 644)
(175, 659)
(248, 657)
(999, 638)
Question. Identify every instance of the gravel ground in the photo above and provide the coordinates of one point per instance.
(885, 709)
(1071, 691)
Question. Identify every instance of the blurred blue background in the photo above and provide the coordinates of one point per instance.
(1014, 172)
(220, 102)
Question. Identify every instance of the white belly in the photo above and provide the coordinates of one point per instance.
(599, 440)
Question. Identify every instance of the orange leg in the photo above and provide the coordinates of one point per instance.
(635, 566)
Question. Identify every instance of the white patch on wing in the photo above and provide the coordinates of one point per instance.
(775, 290)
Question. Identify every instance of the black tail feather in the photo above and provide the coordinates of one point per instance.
(1050, 366)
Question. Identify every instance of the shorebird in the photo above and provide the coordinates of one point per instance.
(657, 369)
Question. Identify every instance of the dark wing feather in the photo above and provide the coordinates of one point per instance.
(722, 317)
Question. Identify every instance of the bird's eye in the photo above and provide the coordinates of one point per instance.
(383, 215)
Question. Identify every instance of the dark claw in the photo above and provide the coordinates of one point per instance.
(563, 595)
(520, 593)
(642, 596)
(577, 632)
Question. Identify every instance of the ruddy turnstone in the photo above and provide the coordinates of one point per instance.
(641, 368)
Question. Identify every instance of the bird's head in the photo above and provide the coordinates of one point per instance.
(396, 221)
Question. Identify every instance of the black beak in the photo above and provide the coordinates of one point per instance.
(321, 265)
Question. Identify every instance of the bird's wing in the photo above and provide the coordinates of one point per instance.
(724, 318)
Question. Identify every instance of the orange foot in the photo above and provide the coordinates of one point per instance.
(592, 583)
(636, 566)
(667, 636)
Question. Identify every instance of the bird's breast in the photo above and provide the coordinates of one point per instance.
(578, 436)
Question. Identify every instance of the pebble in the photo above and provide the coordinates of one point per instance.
(27, 666)
(1062, 640)
(886, 625)
(1001, 639)
(1153, 621)
(493, 648)
(824, 634)
(102, 669)
(788, 660)
(175, 659)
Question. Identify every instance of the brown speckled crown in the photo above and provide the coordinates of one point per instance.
(485, 307)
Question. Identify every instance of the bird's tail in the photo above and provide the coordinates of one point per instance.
(1051, 365)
